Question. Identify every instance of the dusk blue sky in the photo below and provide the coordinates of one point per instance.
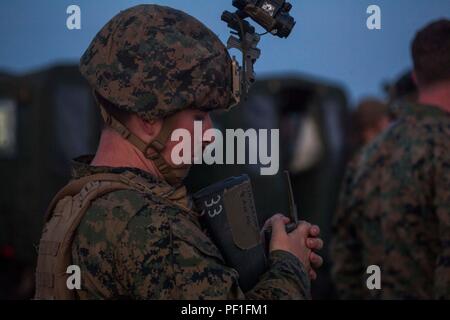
(330, 41)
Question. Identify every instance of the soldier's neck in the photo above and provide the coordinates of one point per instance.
(114, 151)
(437, 95)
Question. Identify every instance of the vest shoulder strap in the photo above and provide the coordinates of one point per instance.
(76, 186)
(63, 217)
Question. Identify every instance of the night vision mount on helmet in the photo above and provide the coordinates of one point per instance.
(273, 16)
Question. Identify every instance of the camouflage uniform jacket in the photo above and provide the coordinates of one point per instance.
(395, 211)
(160, 252)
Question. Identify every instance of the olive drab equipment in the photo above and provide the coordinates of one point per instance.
(65, 213)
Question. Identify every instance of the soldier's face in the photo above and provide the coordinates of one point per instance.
(189, 120)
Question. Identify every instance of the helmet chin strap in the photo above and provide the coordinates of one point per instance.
(173, 174)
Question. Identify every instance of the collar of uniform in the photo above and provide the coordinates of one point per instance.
(82, 167)
(421, 111)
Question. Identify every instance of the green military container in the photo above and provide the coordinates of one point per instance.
(46, 118)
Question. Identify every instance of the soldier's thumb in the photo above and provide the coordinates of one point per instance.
(278, 226)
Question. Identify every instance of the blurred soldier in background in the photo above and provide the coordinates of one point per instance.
(369, 119)
(395, 205)
(403, 91)
(126, 219)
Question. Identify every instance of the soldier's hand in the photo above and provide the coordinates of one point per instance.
(294, 242)
(301, 242)
(314, 243)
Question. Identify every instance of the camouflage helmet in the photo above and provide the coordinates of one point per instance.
(154, 61)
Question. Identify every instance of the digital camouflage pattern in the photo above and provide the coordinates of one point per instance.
(131, 245)
(395, 212)
(155, 61)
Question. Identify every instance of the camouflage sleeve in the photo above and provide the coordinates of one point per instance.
(442, 205)
(345, 252)
(431, 203)
(286, 279)
(143, 261)
(163, 255)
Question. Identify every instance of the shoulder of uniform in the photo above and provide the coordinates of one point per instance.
(133, 213)
(127, 200)
(406, 134)
(425, 125)
(118, 210)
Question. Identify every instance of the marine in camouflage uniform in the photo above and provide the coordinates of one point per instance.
(395, 211)
(155, 61)
(132, 245)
